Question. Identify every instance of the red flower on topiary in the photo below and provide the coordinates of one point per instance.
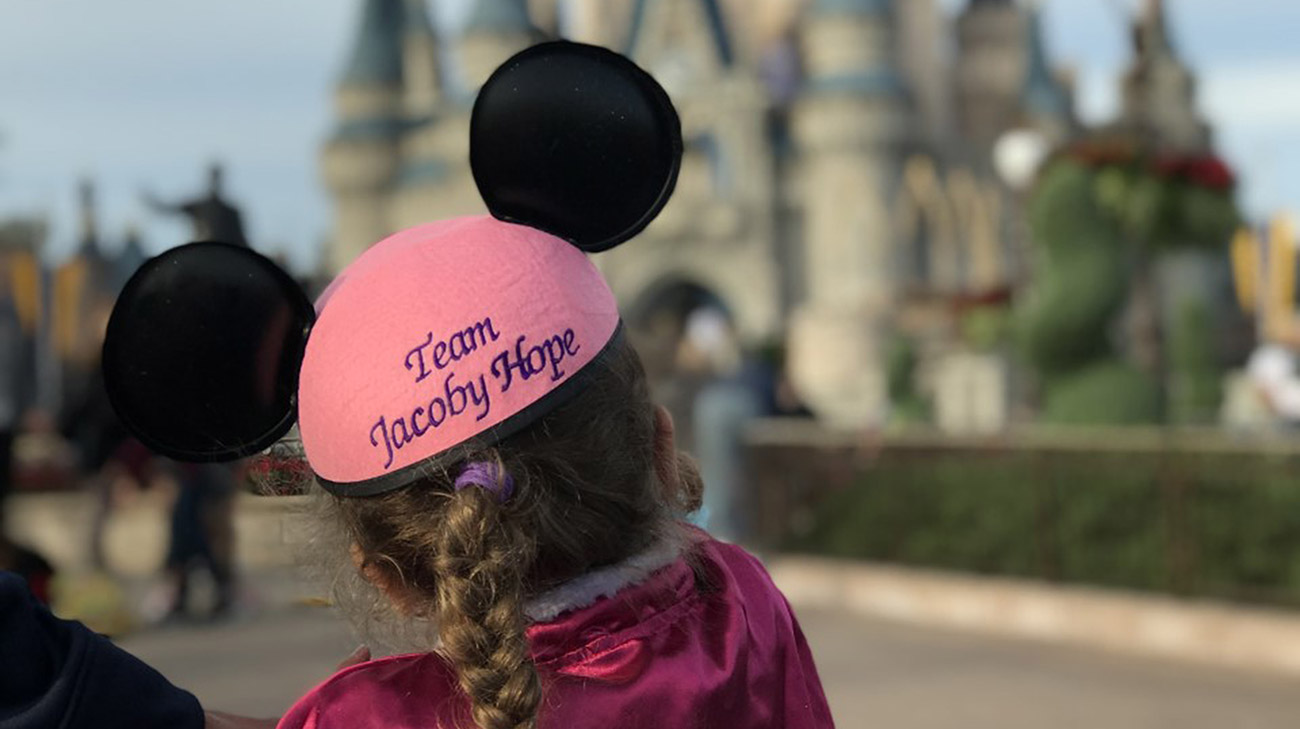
(1210, 172)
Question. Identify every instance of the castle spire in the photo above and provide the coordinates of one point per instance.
(1153, 30)
(1043, 97)
(420, 67)
(376, 58)
(360, 160)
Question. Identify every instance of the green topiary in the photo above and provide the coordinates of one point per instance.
(1080, 282)
(1196, 379)
(1066, 319)
(907, 407)
(1101, 216)
(1106, 392)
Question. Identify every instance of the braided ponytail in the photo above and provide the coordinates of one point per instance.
(478, 561)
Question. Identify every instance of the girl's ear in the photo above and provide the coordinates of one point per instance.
(383, 579)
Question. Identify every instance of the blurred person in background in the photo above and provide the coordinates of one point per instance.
(112, 463)
(202, 535)
(99, 438)
(740, 389)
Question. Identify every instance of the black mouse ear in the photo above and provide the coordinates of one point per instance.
(202, 352)
(577, 141)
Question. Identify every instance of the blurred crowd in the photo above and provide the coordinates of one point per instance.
(85, 446)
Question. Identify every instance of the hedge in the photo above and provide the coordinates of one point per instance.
(1223, 525)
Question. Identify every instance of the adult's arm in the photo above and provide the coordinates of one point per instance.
(58, 673)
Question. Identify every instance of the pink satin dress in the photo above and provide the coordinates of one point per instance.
(661, 653)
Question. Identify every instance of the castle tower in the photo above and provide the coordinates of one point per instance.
(851, 127)
(717, 233)
(922, 32)
(361, 158)
(1159, 99)
(990, 74)
(1045, 104)
(494, 31)
(420, 67)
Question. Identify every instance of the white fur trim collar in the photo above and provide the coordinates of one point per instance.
(604, 582)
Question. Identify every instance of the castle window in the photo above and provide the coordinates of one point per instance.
(720, 171)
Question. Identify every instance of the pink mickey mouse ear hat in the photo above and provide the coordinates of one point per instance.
(456, 333)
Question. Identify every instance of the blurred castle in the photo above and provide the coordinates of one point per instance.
(848, 180)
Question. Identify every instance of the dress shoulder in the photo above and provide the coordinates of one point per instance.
(417, 689)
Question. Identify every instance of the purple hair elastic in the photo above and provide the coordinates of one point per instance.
(489, 476)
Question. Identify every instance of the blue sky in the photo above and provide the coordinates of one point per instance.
(141, 94)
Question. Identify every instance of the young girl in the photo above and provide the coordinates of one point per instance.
(467, 399)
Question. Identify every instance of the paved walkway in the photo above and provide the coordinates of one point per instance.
(882, 675)
(876, 674)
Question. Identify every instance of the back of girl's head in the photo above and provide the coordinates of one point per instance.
(439, 337)
(586, 494)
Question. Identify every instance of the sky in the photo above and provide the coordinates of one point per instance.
(140, 95)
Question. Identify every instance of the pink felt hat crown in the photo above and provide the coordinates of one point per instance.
(411, 356)
(451, 333)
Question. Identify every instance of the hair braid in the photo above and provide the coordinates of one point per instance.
(479, 563)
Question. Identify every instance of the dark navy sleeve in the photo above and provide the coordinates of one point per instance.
(58, 674)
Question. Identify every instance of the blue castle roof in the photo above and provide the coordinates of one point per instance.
(417, 18)
(852, 7)
(377, 54)
(498, 16)
(1042, 93)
